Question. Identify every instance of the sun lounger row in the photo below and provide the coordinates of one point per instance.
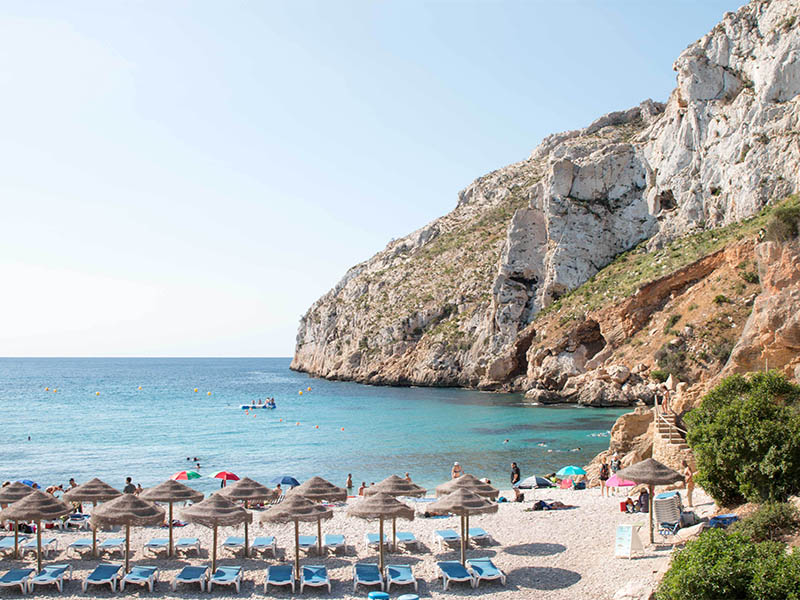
(365, 574)
(442, 537)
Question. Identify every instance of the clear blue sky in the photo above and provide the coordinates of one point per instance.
(186, 178)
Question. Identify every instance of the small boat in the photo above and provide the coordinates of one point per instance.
(253, 406)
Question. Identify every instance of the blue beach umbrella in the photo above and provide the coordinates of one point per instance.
(285, 480)
(570, 470)
(30, 483)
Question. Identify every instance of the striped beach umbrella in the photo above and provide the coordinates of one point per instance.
(185, 475)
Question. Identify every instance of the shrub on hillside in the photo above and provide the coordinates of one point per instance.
(746, 439)
(770, 522)
(729, 565)
(784, 223)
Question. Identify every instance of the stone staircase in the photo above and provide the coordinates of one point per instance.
(669, 442)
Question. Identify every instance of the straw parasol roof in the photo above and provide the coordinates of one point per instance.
(35, 506)
(247, 489)
(15, 491)
(652, 473)
(381, 506)
(463, 503)
(171, 491)
(293, 509)
(396, 486)
(216, 511)
(470, 482)
(127, 510)
(94, 490)
(318, 489)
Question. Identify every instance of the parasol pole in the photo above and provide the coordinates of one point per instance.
(297, 548)
(169, 550)
(319, 536)
(246, 545)
(94, 533)
(394, 534)
(214, 553)
(463, 543)
(127, 545)
(39, 544)
(466, 529)
(652, 489)
(380, 543)
(16, 539)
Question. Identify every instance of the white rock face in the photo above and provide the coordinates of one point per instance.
(446, 304)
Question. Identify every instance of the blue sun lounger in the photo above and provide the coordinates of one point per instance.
(407, 539)
(479, 534)
(226, 576)
(307, 542)
(51, 575)
(333, 541)
(188, 543)
(49, 544)
(233, 544)
(265, 543)
(445, 536)
(366, 574)
(16, 577)
(140, 575)
(400, 575)
(279, 575)
(315, 576)
(7, 543)
(191, 574)
(80, 546)
(103, 573)
(452, 570)
(372, 539)
(112, 545)
(156, 545)
(484, 568)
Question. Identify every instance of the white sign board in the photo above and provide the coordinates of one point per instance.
(627, 541)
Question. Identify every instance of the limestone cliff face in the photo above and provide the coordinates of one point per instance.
(453, 303)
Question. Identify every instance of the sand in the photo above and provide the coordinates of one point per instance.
(548, 555)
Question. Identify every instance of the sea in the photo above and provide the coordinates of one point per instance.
(149, 418)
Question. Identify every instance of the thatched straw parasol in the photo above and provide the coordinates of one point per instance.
(463, 503)
(247, 490)
(652, 473)
(10, 494)
(171, 491)
(296, 508)
(468, 482)
(94, 491)
(381, 506)
(216, 511)
(396, 486)
(35, 506)
(127, 510)
(318, 489)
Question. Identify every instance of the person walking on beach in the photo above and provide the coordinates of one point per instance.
(457, 471)
(603, 478)
(129, 487)
(616, 465)
(688, 478)
(514, 474)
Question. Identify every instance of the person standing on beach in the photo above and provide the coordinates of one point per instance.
(603, 478)
(688, 478)
(349, 483)
(514, 474)
(129, 487)
(457, 471)
(616, 465)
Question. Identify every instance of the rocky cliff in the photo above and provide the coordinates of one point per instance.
(486, 295)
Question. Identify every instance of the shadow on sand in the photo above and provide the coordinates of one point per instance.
(535, 549)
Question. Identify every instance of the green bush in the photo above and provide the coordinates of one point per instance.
(720, 299)
(659, 375)
(729, 565)
(746, 439)
(770, 522)
(783, 224)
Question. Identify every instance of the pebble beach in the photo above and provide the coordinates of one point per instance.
(554, 555)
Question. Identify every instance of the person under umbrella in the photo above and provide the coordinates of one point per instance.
(471, 483)
(127, 510)
(10, 494)
(171, 491)
(247, 490)
(397, 487)
(94, 491)
(381, 506)
(36, 506)
(225, 476)
(296, 508)
(216, 511)
(652, 473)
(318, 489)
(463, 503)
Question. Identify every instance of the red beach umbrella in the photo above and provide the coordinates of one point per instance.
(183, 475)
(225, 476)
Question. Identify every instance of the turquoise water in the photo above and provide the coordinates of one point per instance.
(149, 433)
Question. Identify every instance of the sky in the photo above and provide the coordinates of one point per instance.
(187, 178)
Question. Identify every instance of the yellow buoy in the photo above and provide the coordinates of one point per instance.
(195, 389)
(97, 393)
(55, 390)
(308, 388)
(209, 393)
(300, 393)
(140, 387)
(47, 389)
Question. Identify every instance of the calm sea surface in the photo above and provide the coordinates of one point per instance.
(335, 429)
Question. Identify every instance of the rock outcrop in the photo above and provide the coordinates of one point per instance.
(458, 302)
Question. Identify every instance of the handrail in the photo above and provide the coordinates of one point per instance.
(670, 426)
